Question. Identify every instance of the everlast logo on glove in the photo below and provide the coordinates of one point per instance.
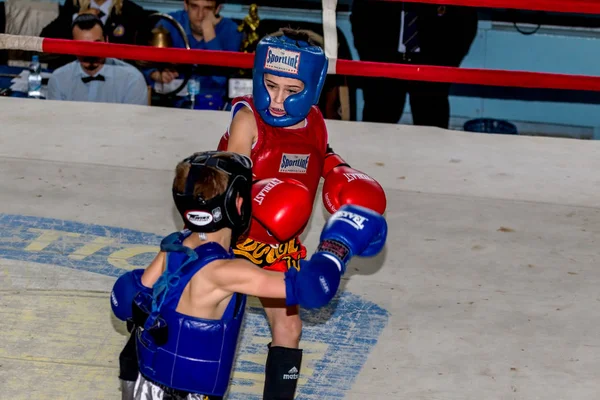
(353, 219)
(351, 177)
(324, 284)
(114, 300)
(261, 195)
(294, 163)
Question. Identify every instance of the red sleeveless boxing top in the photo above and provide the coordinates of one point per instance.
(284, 153)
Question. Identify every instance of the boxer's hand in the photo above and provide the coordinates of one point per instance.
(208, 26)
(126, 287)
(165, 76)
(352, 231)
(211, 19)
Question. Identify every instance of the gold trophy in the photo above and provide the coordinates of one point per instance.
(250, 26)
(241, 82)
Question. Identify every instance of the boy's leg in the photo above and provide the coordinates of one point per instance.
(284, 359)
(128, 368)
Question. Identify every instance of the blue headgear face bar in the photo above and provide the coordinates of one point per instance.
(288, 58)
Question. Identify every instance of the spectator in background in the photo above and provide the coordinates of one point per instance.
(96, 79)
(125, 22)
(3, 53)
(205, 30)
(410, 33)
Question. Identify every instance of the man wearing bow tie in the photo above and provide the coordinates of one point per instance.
(102, 80)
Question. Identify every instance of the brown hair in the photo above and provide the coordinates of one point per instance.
(217, 2)
(86, 21)
(210, 182)
(300, 35)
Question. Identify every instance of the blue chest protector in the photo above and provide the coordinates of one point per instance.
(182, 352)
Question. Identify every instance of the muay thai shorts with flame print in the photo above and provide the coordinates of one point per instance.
(279, 257)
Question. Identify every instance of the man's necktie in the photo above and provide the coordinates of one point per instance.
(410, 38)
(87, 79)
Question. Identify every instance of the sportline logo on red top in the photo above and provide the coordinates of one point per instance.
(294, 163)
(282, 60)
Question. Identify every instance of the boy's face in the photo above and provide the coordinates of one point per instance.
(279, 89)
(198, 10)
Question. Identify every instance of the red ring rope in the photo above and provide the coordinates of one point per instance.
(561, 6)
(475, 76)
(488, 77)
(148, 53)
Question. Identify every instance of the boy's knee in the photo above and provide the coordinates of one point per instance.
(287, 328)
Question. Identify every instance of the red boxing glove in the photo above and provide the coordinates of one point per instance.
(282, 207)
(345, 185)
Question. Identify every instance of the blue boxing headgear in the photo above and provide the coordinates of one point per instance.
(288, 58)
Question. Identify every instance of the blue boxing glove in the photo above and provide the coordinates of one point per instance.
(314, 285)
(124, 290)
(351, 231)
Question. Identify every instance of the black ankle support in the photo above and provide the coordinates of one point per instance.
(281, 373)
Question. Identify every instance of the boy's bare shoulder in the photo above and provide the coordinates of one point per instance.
(244, 115)
(230, 263)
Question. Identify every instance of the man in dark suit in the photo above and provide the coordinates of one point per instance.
(125, 22)
(410, 33)
(3, 53)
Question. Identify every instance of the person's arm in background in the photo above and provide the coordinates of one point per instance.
(138, 22)
(359, 28)
(465, 29)
(153, 75)
(375, 29)
(60, 28)
(447, 34)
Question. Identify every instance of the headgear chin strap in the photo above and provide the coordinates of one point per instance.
(288, 58)
(221, 211)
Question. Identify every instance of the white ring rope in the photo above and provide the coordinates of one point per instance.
(16, 42)
(330, 39)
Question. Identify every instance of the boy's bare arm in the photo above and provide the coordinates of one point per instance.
(242, 132)
(154, 270)
(241, 276)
